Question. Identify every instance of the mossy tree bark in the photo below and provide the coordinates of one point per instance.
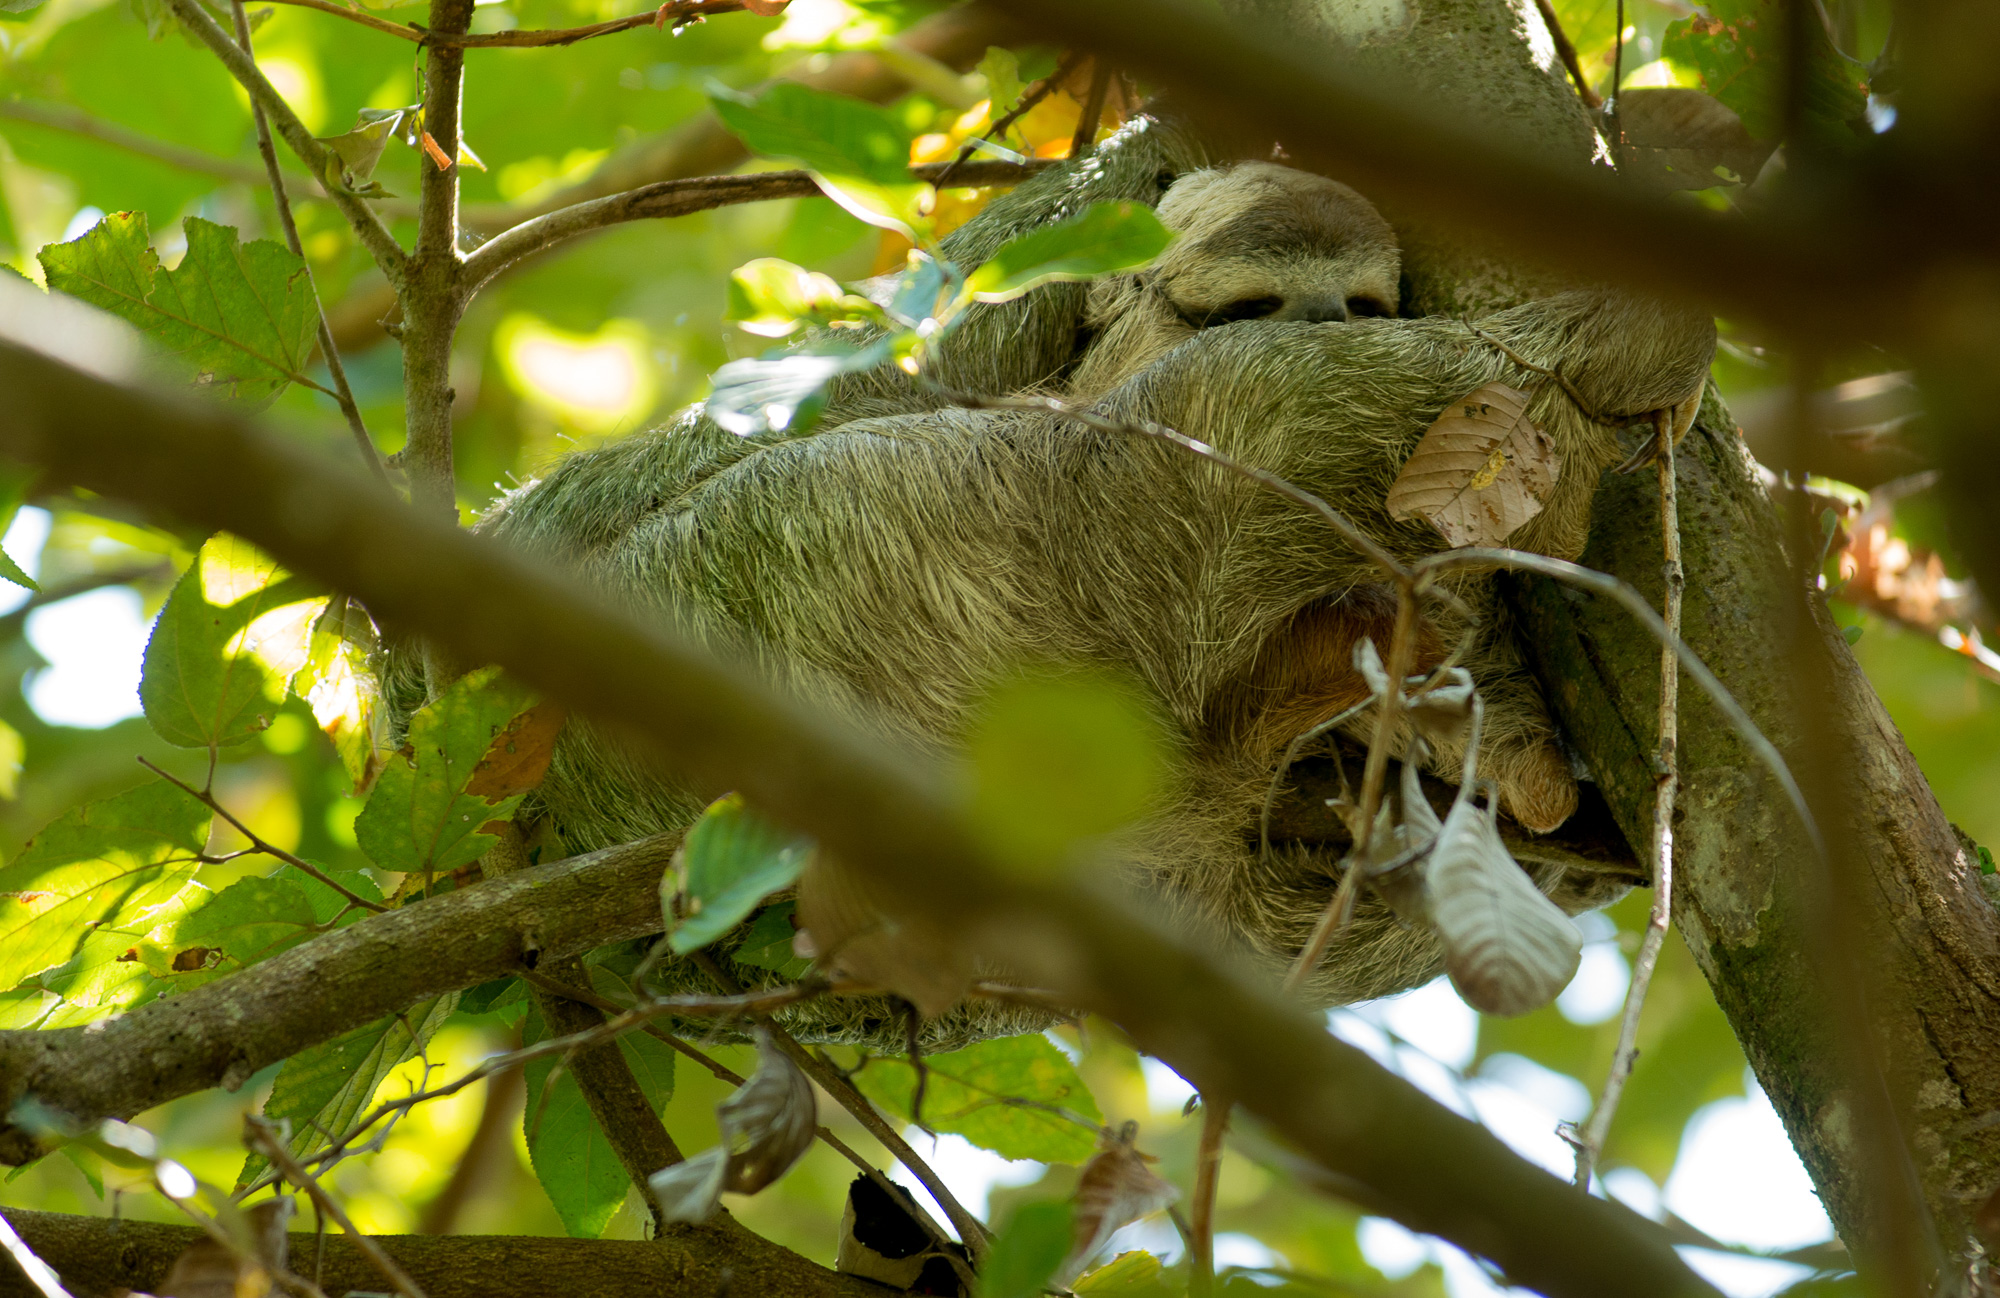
(1749, 896)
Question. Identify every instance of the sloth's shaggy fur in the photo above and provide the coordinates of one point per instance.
(892, 565)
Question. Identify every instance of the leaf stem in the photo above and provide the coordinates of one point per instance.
(1201, 1212)
(1590, 1143)
(258, 844)
(341, 393)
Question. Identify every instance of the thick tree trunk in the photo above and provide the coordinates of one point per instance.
(1742, 860)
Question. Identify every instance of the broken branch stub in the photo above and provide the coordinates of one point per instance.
(1481, 471)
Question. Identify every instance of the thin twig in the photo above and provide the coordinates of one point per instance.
(261, 1134)
(1569, 389)
(259, 844)
(368, 227)
(62, 118)
(1567, 53)
(1201, 1213)
(675, 14)
(1634, 603)
(1035, 94)
(1085, 138)
(1666, 775)
(342, 394)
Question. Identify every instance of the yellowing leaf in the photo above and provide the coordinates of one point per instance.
(1481, 470)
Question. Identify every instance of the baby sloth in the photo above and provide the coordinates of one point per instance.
(1257, 242)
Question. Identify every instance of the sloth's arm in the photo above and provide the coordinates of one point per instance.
(1625, 353)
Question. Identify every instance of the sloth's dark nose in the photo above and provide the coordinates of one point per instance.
(1322, 310)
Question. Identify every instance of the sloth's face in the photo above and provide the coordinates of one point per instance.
(1264, 242)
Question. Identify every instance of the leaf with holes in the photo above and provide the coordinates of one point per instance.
(242, 316)
(118, 863)
(225, 646)
(1507, 947)
(472, 754)
(1481, 470)
(1012, 1095)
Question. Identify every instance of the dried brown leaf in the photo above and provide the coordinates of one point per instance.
(208, 1268)
(765, 1126)
(1481, 470)
(1508, 948)
(518, 757)
(1116, 1189)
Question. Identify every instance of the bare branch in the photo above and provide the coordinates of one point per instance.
(374, 236)
(60, 118)
(1439, 1173)
(1567, 53)
(670, 198)
(261, 1135)
(343, 394)
(1590, 1142)
(675, 14)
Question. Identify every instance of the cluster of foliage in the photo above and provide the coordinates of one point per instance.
(280, 810)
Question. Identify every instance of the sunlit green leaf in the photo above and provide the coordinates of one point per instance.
(970, 1091)
(242, 317)
(226, 643)
(732, 859)
(113, 864)
(774, 298)
(785, 391)
(430, 802)
(328, 1087)
(1107, 237)
(858, 153)
(250, 920)
(338, 685)
(15, 484)
(1028, 1251)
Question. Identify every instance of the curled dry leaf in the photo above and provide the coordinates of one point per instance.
(855, 940)
(766, 1125)
(1508, 948)
(1116, 1189)
(518, 758)
(1481, 470)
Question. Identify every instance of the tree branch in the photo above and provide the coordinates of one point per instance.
(57, 117)
(98, 1257)
(374, 236)
(1797, 269)
(670, 198)
(674, 14)
(1437, 1172)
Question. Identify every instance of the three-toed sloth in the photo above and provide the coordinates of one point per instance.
(893, 563)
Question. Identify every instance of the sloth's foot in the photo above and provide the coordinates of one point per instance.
(1536, 787)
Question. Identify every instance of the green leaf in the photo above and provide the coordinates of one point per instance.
(1004, 87)
(787, 391)
(1107, 237)
(1028, 1251)
(342, 691)
(113, 864)
(251, 920)
(226, 643)
(967, 1092)
(12, 749)
(1738, 50)
(429, 804)
(14, 486)
(859, 154)
(731, 860)
(570, 1154)
(326, 903)
(1986, 865)
(774, 298)
(242, 317)
(767, 944)
(328, 1087)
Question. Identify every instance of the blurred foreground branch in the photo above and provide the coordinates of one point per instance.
(1435, 1171)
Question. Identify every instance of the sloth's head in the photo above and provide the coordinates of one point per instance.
(1257, 242)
